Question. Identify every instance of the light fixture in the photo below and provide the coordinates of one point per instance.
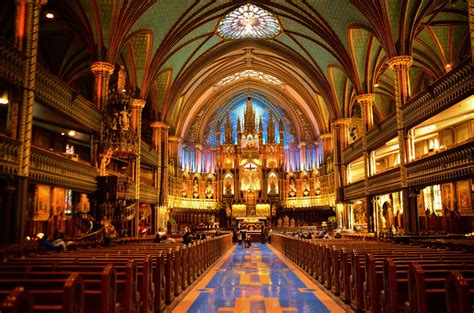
(49, 15)
(124, 90)
(62, 134)
(448, 66)
(72, 133)
(4, 98)
(376, 85)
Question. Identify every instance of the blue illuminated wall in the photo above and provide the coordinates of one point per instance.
(236, 107)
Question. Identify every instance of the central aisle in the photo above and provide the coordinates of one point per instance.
(258, 279)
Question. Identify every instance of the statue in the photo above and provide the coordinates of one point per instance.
(292, 222)
(105, 160)
(279, 222)
(209, 193)
(272, 187)
(228, 187)
(195, 188)
(124, 119)
(292, 187)
(286, 221)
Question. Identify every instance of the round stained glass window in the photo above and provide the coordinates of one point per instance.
(249, 21)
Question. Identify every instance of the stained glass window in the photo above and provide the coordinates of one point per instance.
(249, 21)
(249, 74)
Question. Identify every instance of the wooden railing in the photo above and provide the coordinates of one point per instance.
(55, 169)
(449, 89)
(354, 191)
(385, 182)
(8, 155)
(148, 193)
(451, 164)
(50, 90)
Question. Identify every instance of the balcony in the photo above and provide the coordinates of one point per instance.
(55, 169)
(445, 92)
(451, 164)
(149, 194)
(49, 89)
(354, 191)
(385, 182)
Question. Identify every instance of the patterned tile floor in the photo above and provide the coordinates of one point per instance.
(258, 279)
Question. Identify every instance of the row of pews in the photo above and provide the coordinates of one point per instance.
(385, 277)
(129, 278)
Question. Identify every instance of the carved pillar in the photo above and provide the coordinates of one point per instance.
(327, 144)
(32, 10)
(161, 144)
(302, 147)
(471, 27)
(400, 65)
(340, 129)
(102, 72)
(137, 106)
(366, 102)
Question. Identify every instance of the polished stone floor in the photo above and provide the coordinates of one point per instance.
(258, 279)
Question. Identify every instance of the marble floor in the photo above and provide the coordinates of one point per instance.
(258, 279)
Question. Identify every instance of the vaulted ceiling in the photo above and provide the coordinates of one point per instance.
(327, 52)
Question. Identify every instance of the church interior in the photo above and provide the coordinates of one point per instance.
(236, 156)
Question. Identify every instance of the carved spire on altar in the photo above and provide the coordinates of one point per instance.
(249, 117)
(271, 129)
(228, 129)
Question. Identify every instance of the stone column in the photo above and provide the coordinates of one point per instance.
(102, 72)
(137, 106)
(327, 144)
(30, 45)
(366, 102)
(340, 129)
(400, 65)
(302, 147)
(161, 144)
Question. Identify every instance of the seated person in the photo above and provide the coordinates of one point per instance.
(59, 242)
(187, 237)
(157, 239)
(169, 239)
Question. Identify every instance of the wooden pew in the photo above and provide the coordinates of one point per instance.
(427, 286)
(99, 286)
(17, 300)
(52, 295)
(460, 292)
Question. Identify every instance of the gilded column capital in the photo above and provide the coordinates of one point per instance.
(37, 2)
(325, 136)
(138, 104)
(102, 68)
(174, 139)
(365, 99)
(158, 124)
(345, 121)
(399, 62)
(198, 146)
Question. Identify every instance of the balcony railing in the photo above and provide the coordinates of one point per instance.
(48, 167)
(354, 191)
(149, 155)
(445, 92)
(50, 89)
(148, 193)
(8, 155)
(451, 164)
(385, 182)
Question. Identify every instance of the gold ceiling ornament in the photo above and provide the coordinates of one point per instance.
(102, 68)
(399, 62)
(158, 124)
(365, 98)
